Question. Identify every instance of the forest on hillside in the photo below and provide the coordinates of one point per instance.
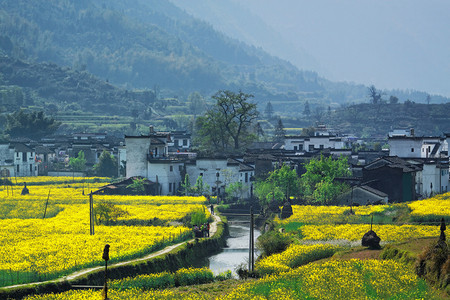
(122, 65)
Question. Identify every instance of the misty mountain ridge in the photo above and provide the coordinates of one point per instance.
(154, 44)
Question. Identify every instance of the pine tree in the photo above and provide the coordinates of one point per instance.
(306, 110)
(279, 133)
(268, 111)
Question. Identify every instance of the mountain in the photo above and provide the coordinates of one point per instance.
(141, 44)
(401, 44)
(153, 46)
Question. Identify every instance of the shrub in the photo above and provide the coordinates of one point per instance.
(272, 242)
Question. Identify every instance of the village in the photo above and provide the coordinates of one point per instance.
(411, 168)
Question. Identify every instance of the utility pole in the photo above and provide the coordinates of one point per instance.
(106, 258)
(251, 256)
(91, 214)
(46, 204)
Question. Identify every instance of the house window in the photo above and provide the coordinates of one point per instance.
(31, 168)
(171, 168)
(185, 142)
(246, 177)
(18, 168)
(311, 147)
(170, 187)
(24, 156)
(412, 149)
(321, 146)
(201, 174)
(295, 148)
(300, 147)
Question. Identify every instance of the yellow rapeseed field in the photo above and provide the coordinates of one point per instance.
(321, 214)
(339, 279)
(294, 256)
(438, 205)
(61, 242)
(354, 232)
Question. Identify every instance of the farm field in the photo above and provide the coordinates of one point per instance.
(36, 248)
(316, 264)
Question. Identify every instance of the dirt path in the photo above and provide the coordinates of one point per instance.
(75, 275)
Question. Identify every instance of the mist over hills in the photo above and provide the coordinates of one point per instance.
(159, 48)
(140, 44)
(392, 44)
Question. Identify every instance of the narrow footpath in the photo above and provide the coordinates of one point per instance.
(75, 275)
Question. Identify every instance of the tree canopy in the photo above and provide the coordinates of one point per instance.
(107, 165)
(78, 163)
(32, 125)
(318, 183)
(280, 133)
(280, 185)
(227, 125)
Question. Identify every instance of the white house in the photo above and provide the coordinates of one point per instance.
(147, 156)
(17, 159)
(435, 178)
(218, 173)
(416, 147)
(180, 141)
(313, 143)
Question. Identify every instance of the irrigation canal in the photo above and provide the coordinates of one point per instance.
(237, 251)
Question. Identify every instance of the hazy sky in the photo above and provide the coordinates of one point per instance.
(389, 43)
(392, 44)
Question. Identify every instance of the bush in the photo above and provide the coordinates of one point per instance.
(145, 282)
(107, 213)
(198, 217)
(192, 276)
(272, 242)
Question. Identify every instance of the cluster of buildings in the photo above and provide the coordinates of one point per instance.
(412, 168)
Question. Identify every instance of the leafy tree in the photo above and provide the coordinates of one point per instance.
(32, 125)
(281, 184)
(318, 183)
(107, 165)
(106, 213)
(201, 187)
(78, 163)
(268, 111)
(267, 192)
(210, 135)
(308, 131)
(226, 126)
(137, 187)
(393, 100)
(279, 133)
(186, 188)
(235, 190)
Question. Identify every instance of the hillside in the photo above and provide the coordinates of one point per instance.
(369, 120)
(140, 44)
(89, 61)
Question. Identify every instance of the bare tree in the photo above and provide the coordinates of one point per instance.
(374, 95)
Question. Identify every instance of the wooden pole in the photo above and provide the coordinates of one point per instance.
(251, 244)
(252, 221)
(46, 204)
(91, 214)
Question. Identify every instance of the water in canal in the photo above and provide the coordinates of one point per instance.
(237, 250)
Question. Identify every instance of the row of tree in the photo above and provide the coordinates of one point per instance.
(318, 185)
